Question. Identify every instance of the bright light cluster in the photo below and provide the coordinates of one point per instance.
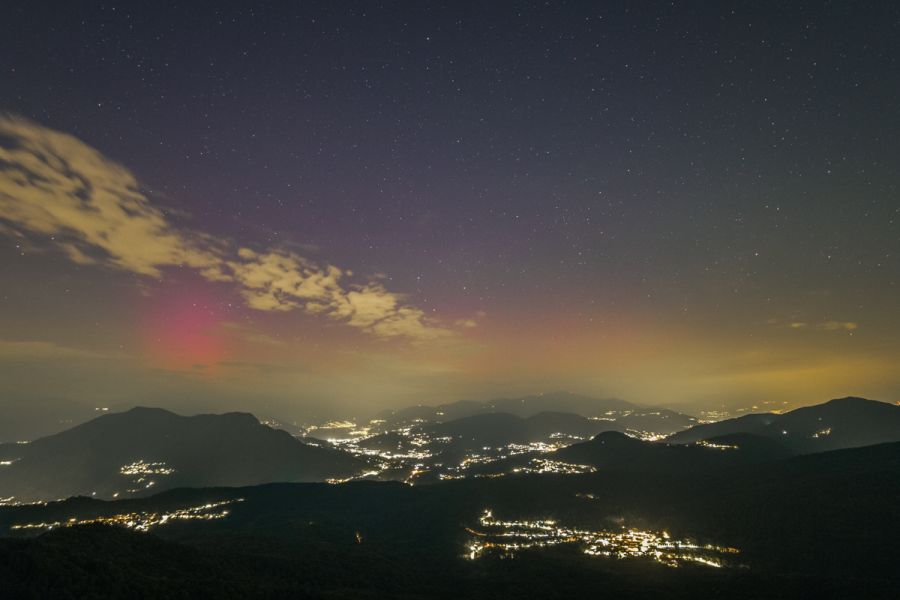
(142, 468)
(141, 472)
(544, 465)
(363, 475)
(717, 446)
(412, 451)
(509, 537)
(143, 521)
(646, 436)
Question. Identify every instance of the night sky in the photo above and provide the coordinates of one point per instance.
(329, 208)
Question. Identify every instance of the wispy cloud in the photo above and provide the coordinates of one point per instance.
(53, 184)
(825, 325)
(93, 209)
(838, 325)
(41, 350)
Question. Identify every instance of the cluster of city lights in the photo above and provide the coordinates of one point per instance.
(409, 454)
(506, 538)
(142, 468)
(822, 433)
(717, 446)
(141, 472)
(543, 465)
(413, 451)
(142, 521)
(645, 436)
(357, 477)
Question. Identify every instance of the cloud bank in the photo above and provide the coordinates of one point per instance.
(91, 208)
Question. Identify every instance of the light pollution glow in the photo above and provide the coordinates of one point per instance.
(124, 304)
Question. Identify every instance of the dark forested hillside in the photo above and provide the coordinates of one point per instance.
(148, 449)
(842, 423)
(821, 525)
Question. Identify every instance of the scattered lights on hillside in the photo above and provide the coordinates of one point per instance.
(336, 425)
(141, 472)
(543, 465)
(713, 416)
(646, 436)
(142, 521)
(363, 475)
(506, 538)
(822, 433)
(142, 468)
(717, 446)
(411, 450)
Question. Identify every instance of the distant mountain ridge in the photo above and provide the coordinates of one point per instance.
(616, 451)
(152, 448)
(841, 423)
(498, 429)
(751, 439)
(555, 402)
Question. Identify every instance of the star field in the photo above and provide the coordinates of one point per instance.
(674, 202)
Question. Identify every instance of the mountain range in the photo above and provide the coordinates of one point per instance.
(626, 414)
(143, 450)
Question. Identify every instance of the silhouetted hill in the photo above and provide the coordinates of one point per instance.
(625, 414)
(842, 423)
(500, 429)
(614, 450)
(762, 448)
(115, 453)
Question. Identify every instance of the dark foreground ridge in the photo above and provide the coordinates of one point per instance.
(821, 525)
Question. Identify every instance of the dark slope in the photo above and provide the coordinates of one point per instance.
(203, 450)
(821, 525)
(613, 450)
(843, 423)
